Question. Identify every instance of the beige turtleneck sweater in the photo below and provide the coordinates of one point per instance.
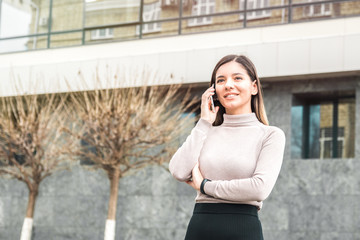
(242, 157)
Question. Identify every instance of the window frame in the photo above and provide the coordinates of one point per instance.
(252, 15)
(109, 34)
(196, 10)
(323, 139)
(307, 100)
(309, 11)
(152, 14)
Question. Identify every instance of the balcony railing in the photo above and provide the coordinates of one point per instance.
(146, 21)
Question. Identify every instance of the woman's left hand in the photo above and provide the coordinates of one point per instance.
(197, 178)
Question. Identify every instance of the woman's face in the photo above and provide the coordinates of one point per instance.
(234, 88)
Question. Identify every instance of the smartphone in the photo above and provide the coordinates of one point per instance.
(212, 104)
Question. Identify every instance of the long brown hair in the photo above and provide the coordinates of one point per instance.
(257, 102)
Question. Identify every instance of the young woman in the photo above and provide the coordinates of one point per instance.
(232, 156)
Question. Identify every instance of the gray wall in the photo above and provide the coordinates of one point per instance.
(313, 199)
(73, 205)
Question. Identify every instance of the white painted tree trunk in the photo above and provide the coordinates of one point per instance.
(26, 229)
(109, 230)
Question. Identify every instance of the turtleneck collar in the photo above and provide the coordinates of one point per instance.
(246, 119)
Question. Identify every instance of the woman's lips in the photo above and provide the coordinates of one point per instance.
(229, 96)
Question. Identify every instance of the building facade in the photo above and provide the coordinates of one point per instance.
(308, 57)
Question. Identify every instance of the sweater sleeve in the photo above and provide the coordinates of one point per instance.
(259, 186)
(186, 157)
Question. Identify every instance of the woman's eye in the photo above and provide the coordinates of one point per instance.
(219, 80)
(238, 78)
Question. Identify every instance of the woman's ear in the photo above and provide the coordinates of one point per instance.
(254, 88)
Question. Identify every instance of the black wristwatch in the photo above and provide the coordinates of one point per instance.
(203, 185)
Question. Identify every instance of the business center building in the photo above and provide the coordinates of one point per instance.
(307, 53)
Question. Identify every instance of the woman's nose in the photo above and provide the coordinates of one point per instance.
(229, 83)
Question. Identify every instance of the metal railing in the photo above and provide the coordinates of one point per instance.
(290, 6)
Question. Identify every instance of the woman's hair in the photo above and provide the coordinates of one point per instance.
(257, 103)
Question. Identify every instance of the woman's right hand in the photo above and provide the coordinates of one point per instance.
(206, 112)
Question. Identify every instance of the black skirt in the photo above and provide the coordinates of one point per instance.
(223, 221)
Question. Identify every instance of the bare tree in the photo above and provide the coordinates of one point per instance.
(30, 143)
(126, 129)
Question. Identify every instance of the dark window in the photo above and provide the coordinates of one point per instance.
(322, 127)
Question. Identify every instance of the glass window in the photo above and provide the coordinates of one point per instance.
(168, 28)
(323, 129)
(103, 33)
(194, 8)
(230, 21)
(118, 20)
(66, 15)
(321, 10)
(275, 16)
(170, 8)
(151, 12)
(66, 39)
(317, 9)
(110, 34)
(346, 8)
(14, 45)
(296, 131)
(104, 12)
(311, 11)
(23, 44)
(255, 4)
(202, 7)
(20, 18)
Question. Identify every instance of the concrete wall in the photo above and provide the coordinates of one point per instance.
(73, 205)
(313, 199)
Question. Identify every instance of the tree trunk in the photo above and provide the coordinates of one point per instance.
(114, 176)
(28, 221)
